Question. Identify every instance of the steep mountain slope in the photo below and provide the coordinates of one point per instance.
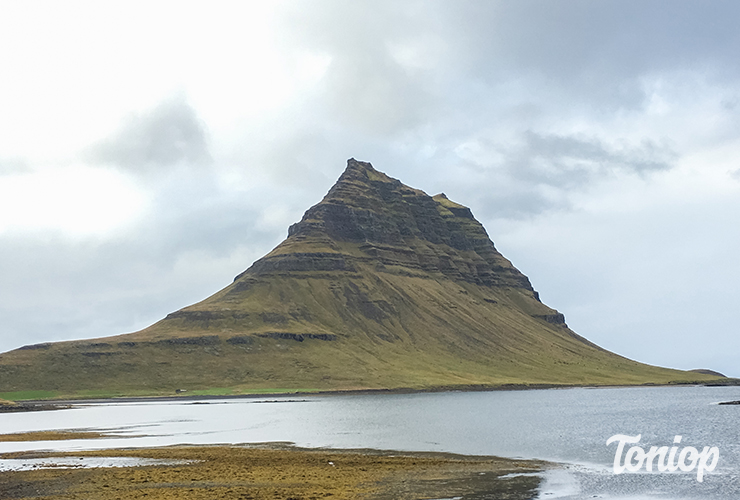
(378, 286)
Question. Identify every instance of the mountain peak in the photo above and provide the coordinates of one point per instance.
(360, 171)
(395, 227)
(359, 166)
(357, 176)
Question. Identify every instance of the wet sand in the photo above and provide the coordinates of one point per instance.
(278, 471)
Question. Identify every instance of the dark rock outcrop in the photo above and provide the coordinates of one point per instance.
(300, 337)
(553, 319)
(33, 347)
(395, 225)
(203, 340)
(240, 340)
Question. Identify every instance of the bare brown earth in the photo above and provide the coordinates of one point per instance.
(278, 472)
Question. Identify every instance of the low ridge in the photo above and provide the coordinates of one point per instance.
(378, 286)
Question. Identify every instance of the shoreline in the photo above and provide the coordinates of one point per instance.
(278, 470)
(67, 402)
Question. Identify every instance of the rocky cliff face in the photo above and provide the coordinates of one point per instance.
(392, 225)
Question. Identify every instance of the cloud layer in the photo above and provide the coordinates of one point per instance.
(166, 136)
(158, 155)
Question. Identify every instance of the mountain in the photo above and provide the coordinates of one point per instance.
(379, 286)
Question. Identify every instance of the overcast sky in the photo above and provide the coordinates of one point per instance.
(150, 151)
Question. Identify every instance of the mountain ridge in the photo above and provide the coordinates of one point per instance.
(378, 286)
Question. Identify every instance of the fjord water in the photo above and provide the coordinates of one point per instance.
(568, 426)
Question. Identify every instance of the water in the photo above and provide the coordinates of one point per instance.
(569, 426)
(21, 464)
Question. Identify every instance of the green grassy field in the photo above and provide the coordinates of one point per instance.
(441, 334)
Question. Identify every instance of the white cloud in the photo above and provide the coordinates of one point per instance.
(73, 200)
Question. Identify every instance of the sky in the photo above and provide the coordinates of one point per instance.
(151, 151)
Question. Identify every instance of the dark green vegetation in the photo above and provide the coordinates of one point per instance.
(379, 286)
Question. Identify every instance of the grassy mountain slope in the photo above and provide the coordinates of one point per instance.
(378, 286)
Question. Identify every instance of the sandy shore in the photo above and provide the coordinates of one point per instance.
(277, 472)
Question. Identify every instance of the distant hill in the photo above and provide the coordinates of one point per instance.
(379, 286)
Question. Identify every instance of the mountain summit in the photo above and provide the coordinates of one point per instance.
(395, 225)
(378, 286)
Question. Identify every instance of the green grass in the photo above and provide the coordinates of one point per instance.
(101, 394)
(443, 334)
(233, 391)
(278, 391)
(216, 391)
(28, 395)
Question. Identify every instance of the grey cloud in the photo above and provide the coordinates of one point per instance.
(366, 86)
(195, 215)
(10, 166)
(287, 153)
(518, 202)
(538, 172)
(595, 41)
(487, 54)
(595, 52)
(571, 161)
(375, 94)
(196, 239)
(168, 135)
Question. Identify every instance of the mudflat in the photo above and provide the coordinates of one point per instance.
(277, 471)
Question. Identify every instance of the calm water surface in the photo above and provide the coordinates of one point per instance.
(569, 426)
